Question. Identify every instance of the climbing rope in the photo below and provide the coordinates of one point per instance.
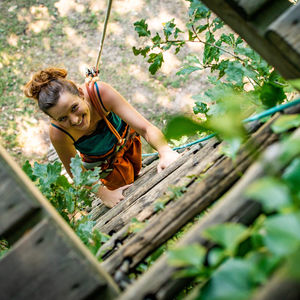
(93, 72)
(259, 116)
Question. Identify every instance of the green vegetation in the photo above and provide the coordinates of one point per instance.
(70, 200)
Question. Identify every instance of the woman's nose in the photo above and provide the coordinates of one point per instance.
(74, 119)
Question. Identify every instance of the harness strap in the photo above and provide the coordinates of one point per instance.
(96, 103)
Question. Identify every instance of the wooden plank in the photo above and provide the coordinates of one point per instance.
(249, 8)
(112, 223)
(27, 188)
(125, 204)
(253, 33)
(44, 265)
(159, 280)
(284, 34)
(198, 197)
(16, 208)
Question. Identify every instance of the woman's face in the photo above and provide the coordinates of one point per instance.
(71, 111)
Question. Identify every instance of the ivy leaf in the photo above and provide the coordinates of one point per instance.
(156, 60)
(168, 28)
(285, 122)
(232, 281)
(188, 70)
(180, 125)
(228, 235)
(271, 193)
(142, 28)
(281, 233)
(291, 175)
(191, 255)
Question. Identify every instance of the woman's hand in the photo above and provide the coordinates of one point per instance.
(166, 158)
(110, 198)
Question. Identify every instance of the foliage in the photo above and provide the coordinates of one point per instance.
(70, 200)
(243, 258)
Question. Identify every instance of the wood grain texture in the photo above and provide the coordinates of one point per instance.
(199, 196)
(44, 265)
(284, 33)
(251, 7)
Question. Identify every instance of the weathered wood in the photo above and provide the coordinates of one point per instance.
(253, 32)
(142, 190)
(284, 33)
(33, 195)
(158, 280)
(117, 221)
(249, 8)
(44, 265)
(198, 197)
(17, 211)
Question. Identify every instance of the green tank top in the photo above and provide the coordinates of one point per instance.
(102, 140)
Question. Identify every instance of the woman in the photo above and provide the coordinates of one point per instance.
(98, 122)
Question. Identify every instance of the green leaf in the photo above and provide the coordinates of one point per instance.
(270, 94)
(191, 255)
(168, 28)
(291, 175)
(53, 172)
(180, 125)
(272, 193)
(285, 122)
(76, 169)
(217, 23)
(142, 28)
(235, 72)
(228, 235)
(70, 202)
(281, 233)
(232, 281)
(27, 168)
(142, 51)
(177, 31)
(84, 230)
(200, 108)
(156, 60)
(188, 70)
(201, 28)
(295, 83)
(156, 40)
(231, 147)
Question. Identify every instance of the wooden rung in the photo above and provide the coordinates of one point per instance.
(16, 208)
(284, 34)
(249, 8)
(45, 265)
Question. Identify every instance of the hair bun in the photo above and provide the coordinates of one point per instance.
(41, 79)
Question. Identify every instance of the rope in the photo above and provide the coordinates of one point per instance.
(259, 116)
(103, 34)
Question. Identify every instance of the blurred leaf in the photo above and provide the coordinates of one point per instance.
(228, 235)
(200, 108)
(232, 281)
(141, 28)
(27, 168)
(285, 122)
(231, 147)
(84, 229)
(270, 94)
(281, 233)
(188, 70)
(215, 256)
(291, 175)
(271, 193)
(295, 83)
(191, 255)
(180, 125)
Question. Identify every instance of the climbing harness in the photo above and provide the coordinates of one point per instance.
(94, 71)
(259, 116)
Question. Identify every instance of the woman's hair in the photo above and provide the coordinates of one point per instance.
(47, 85)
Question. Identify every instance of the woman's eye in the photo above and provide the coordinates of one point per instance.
(74, 107)
(62, 119)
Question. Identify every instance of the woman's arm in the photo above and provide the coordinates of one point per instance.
(113, 101)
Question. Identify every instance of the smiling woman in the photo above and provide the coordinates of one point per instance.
(97, 121)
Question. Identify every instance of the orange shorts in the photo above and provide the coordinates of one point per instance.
(126, 165)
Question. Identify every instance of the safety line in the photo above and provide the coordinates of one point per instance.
(259, 116)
